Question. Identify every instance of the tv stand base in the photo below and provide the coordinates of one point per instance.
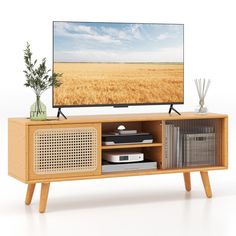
(172, 108)
(59, 150)
(60, 113)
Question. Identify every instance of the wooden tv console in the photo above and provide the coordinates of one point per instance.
(60, 150)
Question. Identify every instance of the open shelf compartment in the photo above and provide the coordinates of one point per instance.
(152, 127)
(152, 151)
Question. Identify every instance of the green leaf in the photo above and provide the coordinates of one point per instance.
(38, 77)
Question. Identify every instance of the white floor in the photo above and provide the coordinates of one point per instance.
(150, 205)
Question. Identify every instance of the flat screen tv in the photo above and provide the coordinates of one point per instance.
(118, 64)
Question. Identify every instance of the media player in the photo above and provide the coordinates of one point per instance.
(123, 157)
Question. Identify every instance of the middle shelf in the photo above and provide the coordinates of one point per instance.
(131, 146)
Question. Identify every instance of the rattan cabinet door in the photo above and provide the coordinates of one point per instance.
(64, 151)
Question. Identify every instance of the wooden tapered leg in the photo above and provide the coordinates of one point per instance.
(187, 181)
(206, 183)
(29, 194)
(43, 197)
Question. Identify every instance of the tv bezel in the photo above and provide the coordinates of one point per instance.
(113, 105)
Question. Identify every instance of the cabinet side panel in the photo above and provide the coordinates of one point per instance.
(163, 162)
(224, 141)
(17, 150)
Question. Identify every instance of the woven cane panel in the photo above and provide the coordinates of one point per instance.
(65, 150)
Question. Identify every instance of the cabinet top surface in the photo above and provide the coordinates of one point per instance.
(118, 118)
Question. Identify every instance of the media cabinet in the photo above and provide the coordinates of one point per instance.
(61, 150)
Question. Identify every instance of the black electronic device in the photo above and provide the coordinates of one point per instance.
(118, 139)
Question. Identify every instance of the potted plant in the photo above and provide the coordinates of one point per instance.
(39, 79)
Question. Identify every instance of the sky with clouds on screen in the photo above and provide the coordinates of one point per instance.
(117, 42)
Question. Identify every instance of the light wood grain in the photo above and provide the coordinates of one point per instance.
(43, 197)
(130, 173)
(154, 154)
(111, 127)
(224, 140)
(154, 128)
(29, 194)
(119, 118)
(187, 181)
(131, 146)
(206, 183)
(18, 150)
(21, 148)
(20, 162)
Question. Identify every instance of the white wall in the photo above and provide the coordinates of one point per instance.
(210, 49)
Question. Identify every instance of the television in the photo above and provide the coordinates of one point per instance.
(118, 64)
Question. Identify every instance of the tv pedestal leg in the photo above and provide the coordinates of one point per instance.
(29, 194)
(172, 108)
(59, 112)
(43, 197)
(206, 183)
(187, 181)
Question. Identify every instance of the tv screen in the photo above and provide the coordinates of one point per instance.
(118, 63)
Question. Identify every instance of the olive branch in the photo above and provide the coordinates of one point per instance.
(38, 77)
